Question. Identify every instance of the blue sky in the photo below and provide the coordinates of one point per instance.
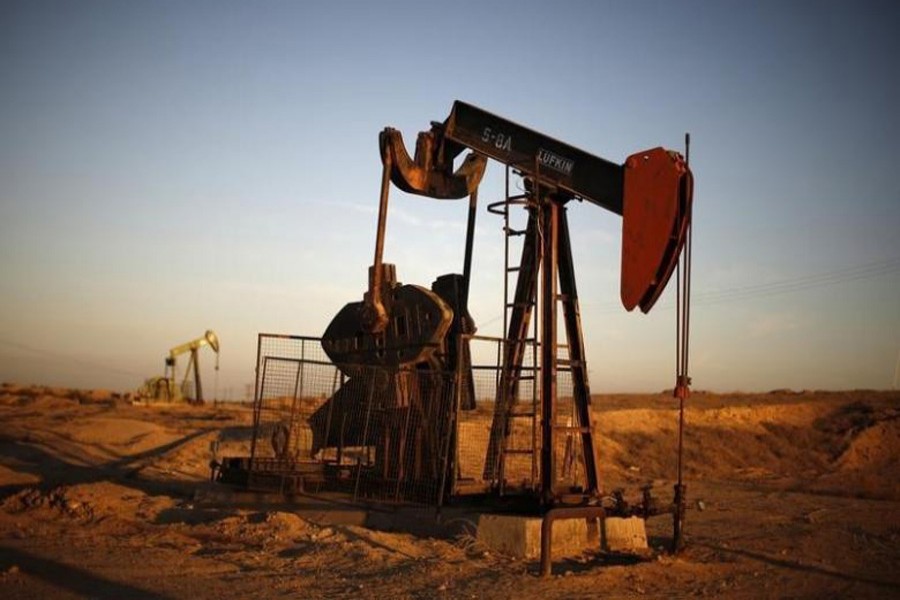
(168, 167)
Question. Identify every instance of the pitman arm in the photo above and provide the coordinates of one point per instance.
(430, 174)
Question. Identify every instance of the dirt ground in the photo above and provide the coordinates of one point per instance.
(800, 496)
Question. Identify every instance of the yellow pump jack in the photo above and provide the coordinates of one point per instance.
(166, 388)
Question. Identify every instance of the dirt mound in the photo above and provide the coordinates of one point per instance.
(719, 442)
(14, 394)
(869, 465)
(270, 526)
(876, 447)
(89, 503)
(843, 443)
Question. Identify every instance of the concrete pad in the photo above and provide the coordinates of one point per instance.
(520, 536)
(513, 535)
(626, 536)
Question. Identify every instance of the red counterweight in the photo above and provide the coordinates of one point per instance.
(657, 193)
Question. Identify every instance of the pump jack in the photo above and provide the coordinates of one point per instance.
(167, 388)
(403, 350)
(652, 190)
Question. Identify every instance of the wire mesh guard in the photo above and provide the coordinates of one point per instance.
(405, 436)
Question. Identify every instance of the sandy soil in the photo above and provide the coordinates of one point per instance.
(801, 498)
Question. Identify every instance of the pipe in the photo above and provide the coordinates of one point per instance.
(569, 512)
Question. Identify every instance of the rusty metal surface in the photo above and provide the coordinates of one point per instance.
(457, 355)
(577, 359)
(564, 438)
(419, 320)
(549, 263)
(431, 173)
(658, 195)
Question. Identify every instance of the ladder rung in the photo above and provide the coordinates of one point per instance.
(528, 369)
(513, 269)
(514, 415)
(572, 428)
(511, 342)
(514, 232)
(567, 362)
(519, 304)
(518, 451)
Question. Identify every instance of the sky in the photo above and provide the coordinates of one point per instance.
(172, 167)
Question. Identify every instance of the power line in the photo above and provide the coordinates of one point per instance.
(878, 268)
